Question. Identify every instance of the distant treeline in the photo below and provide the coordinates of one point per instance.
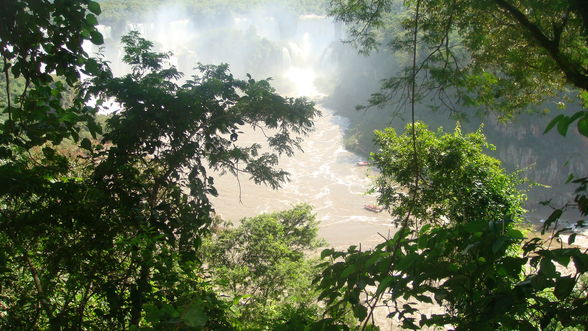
(113, 10)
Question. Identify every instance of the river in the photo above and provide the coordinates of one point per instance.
(325, 176)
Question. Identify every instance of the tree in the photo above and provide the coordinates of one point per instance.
(458, 247)
(459, 183)
(501, 54)
(473, 262)
(262, 263)
(109, 241)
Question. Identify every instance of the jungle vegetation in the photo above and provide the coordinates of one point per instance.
(106, 222)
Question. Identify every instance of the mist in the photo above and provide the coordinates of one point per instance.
(295, 50)
(305, 55)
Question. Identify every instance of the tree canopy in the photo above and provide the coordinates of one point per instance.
(107, 224)
(108, 239)
(469, 259)
(500, 54)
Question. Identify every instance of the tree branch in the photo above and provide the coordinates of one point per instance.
(570, 68)
(7, 76)
(38, 285)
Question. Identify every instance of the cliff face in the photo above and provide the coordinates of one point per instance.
(544, 159)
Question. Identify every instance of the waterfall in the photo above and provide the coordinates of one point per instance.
(297, 56)
(286, 59)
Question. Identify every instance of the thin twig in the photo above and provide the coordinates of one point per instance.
(7, 90)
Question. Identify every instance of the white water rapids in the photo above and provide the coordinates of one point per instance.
(325, 176)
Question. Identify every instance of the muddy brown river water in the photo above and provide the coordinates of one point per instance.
(325, 176)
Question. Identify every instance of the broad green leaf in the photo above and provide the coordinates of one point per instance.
(348, 271)
(554, 122)
(570, 178)
(563, 287)
(498, 244)
(515, 234)
(555, 215)
(327, 252)
(581, 262)
(194, 316)
(376, 256)
(91, 19)
(563, 125)
(424, 229)
(360, 312)
(384, 284)
(424, 298)
(94, 7)
(576, 116)
(583, 126)
(474, 227)
(539, 282)
(547, 268)
(561, 256)
(96, 38)
(86, 144)
(571, 238)
(92, 67)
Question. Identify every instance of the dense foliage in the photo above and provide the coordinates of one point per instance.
(105, 223)
(459, 245)
(519, 139)
(262, 265)
(500, 54)
(469, 259)
(108, 239)
(455, 175)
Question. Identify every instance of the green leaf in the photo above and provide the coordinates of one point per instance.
(474, 227)
(513, 265)
(373, 259)
(572, 238)
(96, 38)
(563, 125)
(547, 268)
(555, 215)
(360, 312)
(498, 244)
(327, 252)
(553, 122)
(515, 234)
(194, 316)
(569, 179)
(424, 298)
(86, 144)
(539, 282)
(583, 126)
(91, 19)
(424, 229)
(576, 116)
(152, 314)
(563, 287)
(561, 256)
(384, 284)
(92, 67)
(348, 271)
(94, 7)
(581, 262)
